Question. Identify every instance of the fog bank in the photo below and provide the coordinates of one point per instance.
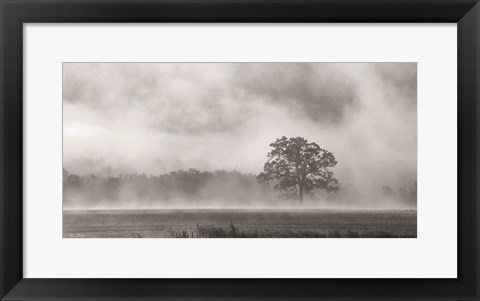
(160, 118)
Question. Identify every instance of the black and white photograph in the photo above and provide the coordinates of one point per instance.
(239, 150)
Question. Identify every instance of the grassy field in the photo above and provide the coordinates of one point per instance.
(240, 223)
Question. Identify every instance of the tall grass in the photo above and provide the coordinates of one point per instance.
(231, 231)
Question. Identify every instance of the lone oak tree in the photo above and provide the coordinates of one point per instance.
(298, 167)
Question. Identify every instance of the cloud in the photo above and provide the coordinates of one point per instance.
(155, 118)
(316, 91)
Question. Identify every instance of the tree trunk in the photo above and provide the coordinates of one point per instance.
(300, 194)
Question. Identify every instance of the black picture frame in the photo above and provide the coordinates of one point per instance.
(14, 13)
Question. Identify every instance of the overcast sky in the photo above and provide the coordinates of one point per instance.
(155, 118)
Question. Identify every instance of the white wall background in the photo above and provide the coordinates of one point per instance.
(432, 254)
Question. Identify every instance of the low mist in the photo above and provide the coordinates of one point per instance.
(196, 135)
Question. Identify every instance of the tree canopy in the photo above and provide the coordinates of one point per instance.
(298, 167)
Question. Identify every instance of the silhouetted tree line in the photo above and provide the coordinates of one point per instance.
(407, 196)
(178, 188)
(185, 188)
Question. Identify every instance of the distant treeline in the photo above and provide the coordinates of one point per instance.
(191, 188)
(401, 194)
